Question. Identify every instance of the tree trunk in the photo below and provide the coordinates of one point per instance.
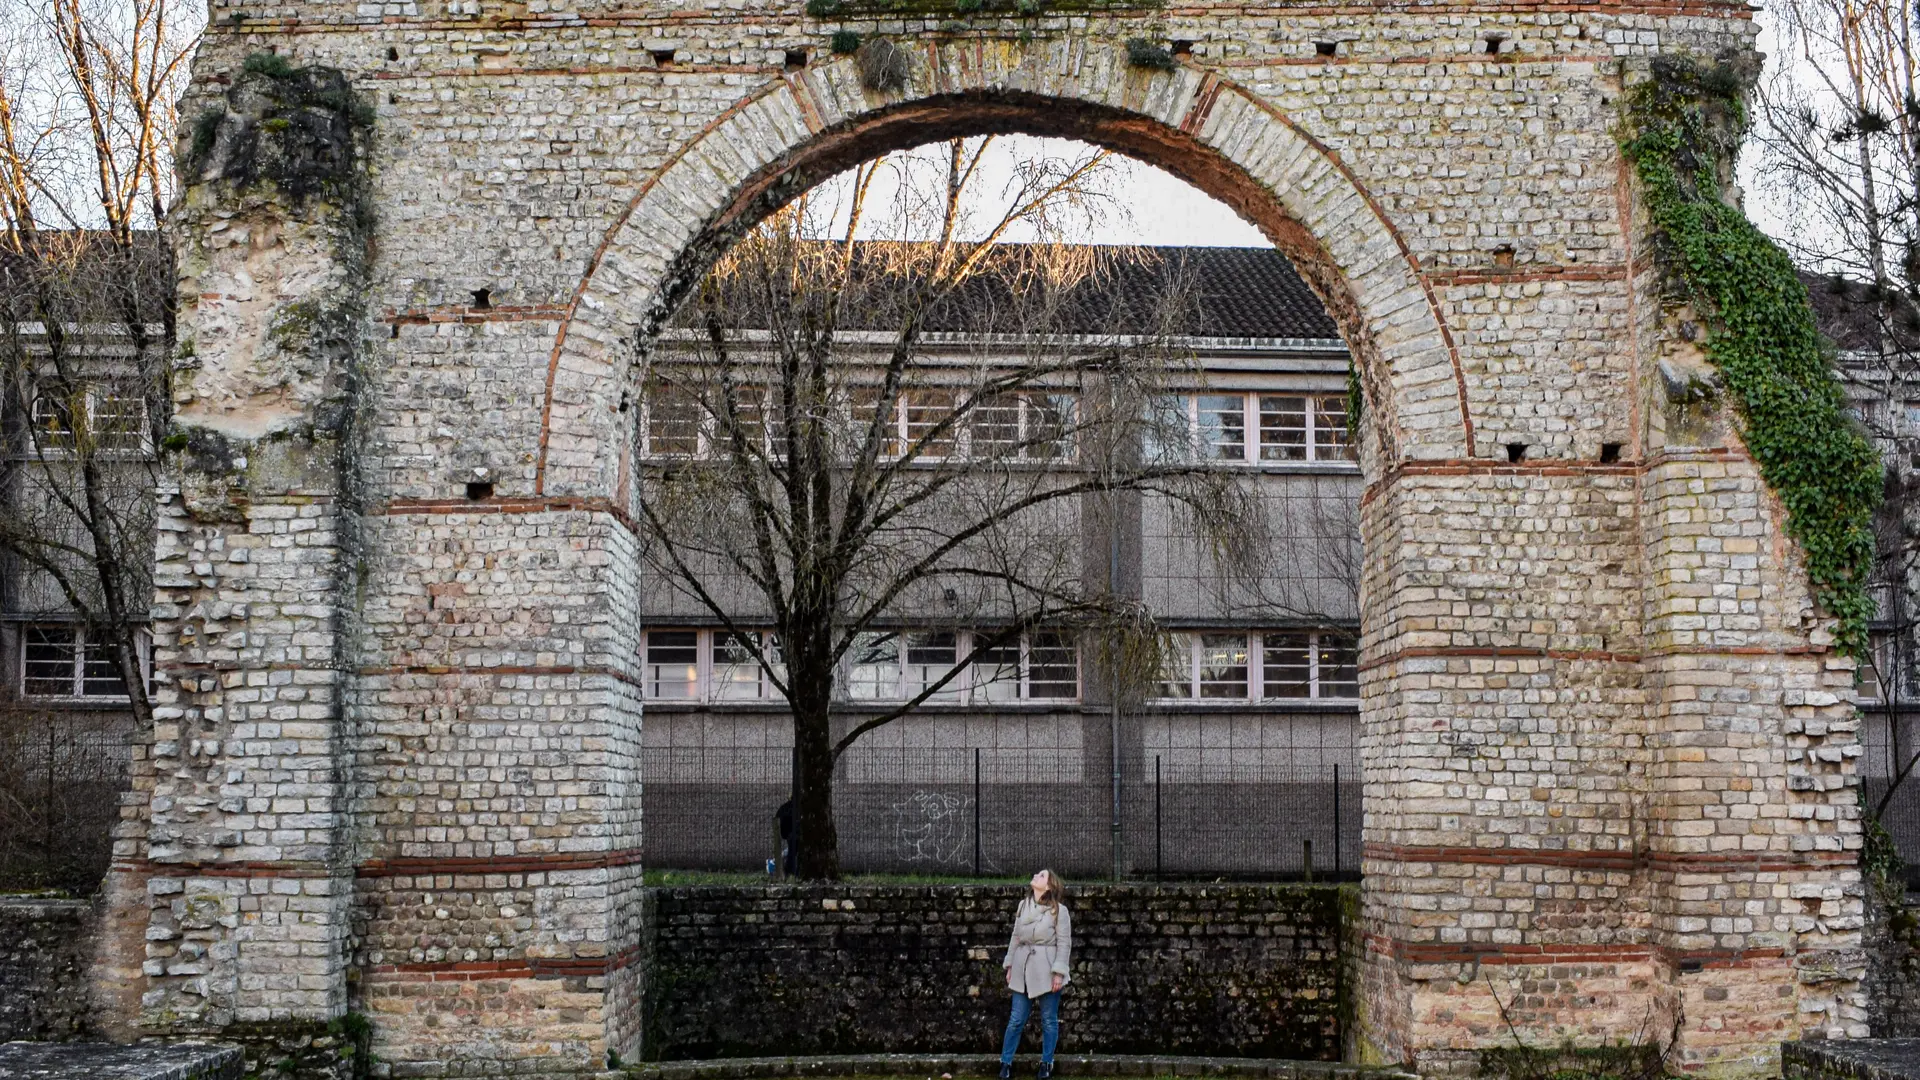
(818, 844)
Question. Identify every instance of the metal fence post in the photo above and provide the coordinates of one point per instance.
(1159, 868)
(976, 811)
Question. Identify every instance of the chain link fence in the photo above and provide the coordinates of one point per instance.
(988, 812)
(61, 775)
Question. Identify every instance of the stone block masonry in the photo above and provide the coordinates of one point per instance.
(1214, 970)
(1609, 771)
(44, 949)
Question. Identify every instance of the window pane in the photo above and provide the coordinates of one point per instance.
(749, 416)
(736, 674)
(1049, 434)
(1287, 668)
(673, 422)
(996, 426)
(1330, 428)
(1176, 666)
(874, 672)
(925, 409)
(1168, 433)
(50, 654)
(53, 423)
(673, 665)
(862, 403)
(1223, 665)
(1223, 427)
(1283, 428)
(930, 655)
(100, 676)
(1053, 668)
(119, 421)
(996, 671)
(1339, 667)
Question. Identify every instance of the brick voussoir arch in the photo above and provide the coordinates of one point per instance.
(793, 132)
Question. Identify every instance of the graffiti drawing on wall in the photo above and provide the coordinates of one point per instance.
(936, 827)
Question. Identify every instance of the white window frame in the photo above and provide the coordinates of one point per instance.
(95, 393)
(1192, 642)
(82, 647)
(970, 688)
(1340, 452)
(706, 688)
(705, 448)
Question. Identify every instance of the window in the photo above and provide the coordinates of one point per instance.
(896, 666)
(1041, 666)
(1221, 433)
(1208, 666)
(68, 662)
(873, 667)
(1023, 427)
(699, 665)
(674, 423)
(1032, 426)
(737, 676)
(1277, 665)
(921, 413)
(113, 416)
(678, 425)
(1257, 427)
(672, 665)
(882, 665)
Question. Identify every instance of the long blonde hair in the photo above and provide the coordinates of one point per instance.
(1055, 892)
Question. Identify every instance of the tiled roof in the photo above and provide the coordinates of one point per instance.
(1238, 292)
(1232, 293)
(1849, 313)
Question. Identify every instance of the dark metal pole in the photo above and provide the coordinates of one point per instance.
(976, 811)
(1336, 820)
(1159, 869)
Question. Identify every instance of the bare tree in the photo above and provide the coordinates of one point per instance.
(914, 430)
(87, 129)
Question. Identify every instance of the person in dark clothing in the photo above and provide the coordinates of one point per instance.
(788, 857)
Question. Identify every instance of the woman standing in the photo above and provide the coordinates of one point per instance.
(1036, 966)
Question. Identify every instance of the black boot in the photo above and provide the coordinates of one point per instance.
(1046, 1071)
(1006, 1071)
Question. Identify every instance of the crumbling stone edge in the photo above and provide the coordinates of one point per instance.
(1852, 1059)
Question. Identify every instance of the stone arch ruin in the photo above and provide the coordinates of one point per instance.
(1608, 754)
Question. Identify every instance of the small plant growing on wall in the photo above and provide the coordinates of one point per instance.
(1142, 53)
(884, 66)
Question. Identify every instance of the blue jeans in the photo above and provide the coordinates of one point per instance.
(1049, 1025)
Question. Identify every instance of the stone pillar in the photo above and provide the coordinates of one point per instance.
(497, 892)
(1502, 731)
(245, 848)
(1753, 833)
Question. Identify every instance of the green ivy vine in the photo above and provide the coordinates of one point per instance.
(1681, 131)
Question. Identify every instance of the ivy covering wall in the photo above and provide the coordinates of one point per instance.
(1681, 132)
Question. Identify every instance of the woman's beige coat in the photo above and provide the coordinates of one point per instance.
(1041, 947)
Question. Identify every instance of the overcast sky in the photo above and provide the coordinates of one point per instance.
(1147, 206)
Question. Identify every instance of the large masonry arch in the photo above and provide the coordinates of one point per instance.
(394, 761)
